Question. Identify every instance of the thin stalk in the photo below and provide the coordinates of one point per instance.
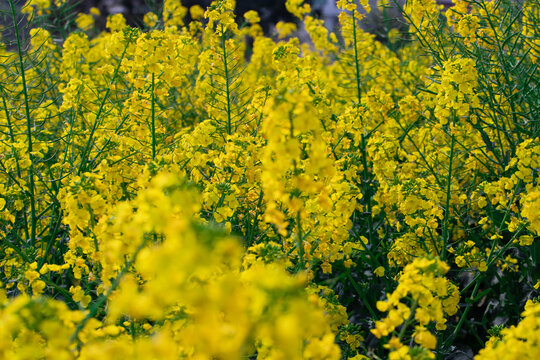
(300, 241)
(409, 320)
(361, 294)
(52, 237)
(89, 143)
(99, 302)
(356, 61)
(252, 227)
(446, 233)
(463, 317)
(33, 218)
(16, 248)
(367, 187)
(133, 332)
(261, 114)
(422, 155)
(153, 120)
(12, 138)
(504, 66)
(363, 142)
(227, 84)
(492, 258)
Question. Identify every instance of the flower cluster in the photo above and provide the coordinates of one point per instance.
(517, 341)
(422, 295)
(201, 190)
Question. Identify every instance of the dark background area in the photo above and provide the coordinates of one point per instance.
(61, 22)
(270, 11)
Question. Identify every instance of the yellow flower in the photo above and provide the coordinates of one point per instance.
(326, 268)
(150, 19)
(379, 271)
(297, 8)
(84, 21)
(116, 22)
(425, 338)
(196, 12)
(252, 17)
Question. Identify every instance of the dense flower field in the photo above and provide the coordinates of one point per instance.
(198, 190)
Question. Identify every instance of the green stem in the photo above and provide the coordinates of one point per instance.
(361, 294)
(12, 138)
(446, 233)
(492, 258)
(99, 302)
(367, 188)
(66, 294)
(366, 183)
(463, 316)
(33, 218)
(299, 242)
(408, 321)
(153, 120)
(356, 61)
(227, 84)
(133, 332)
(89, 143)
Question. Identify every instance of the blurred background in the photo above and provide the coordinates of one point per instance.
(61, 20)
(269, 11)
